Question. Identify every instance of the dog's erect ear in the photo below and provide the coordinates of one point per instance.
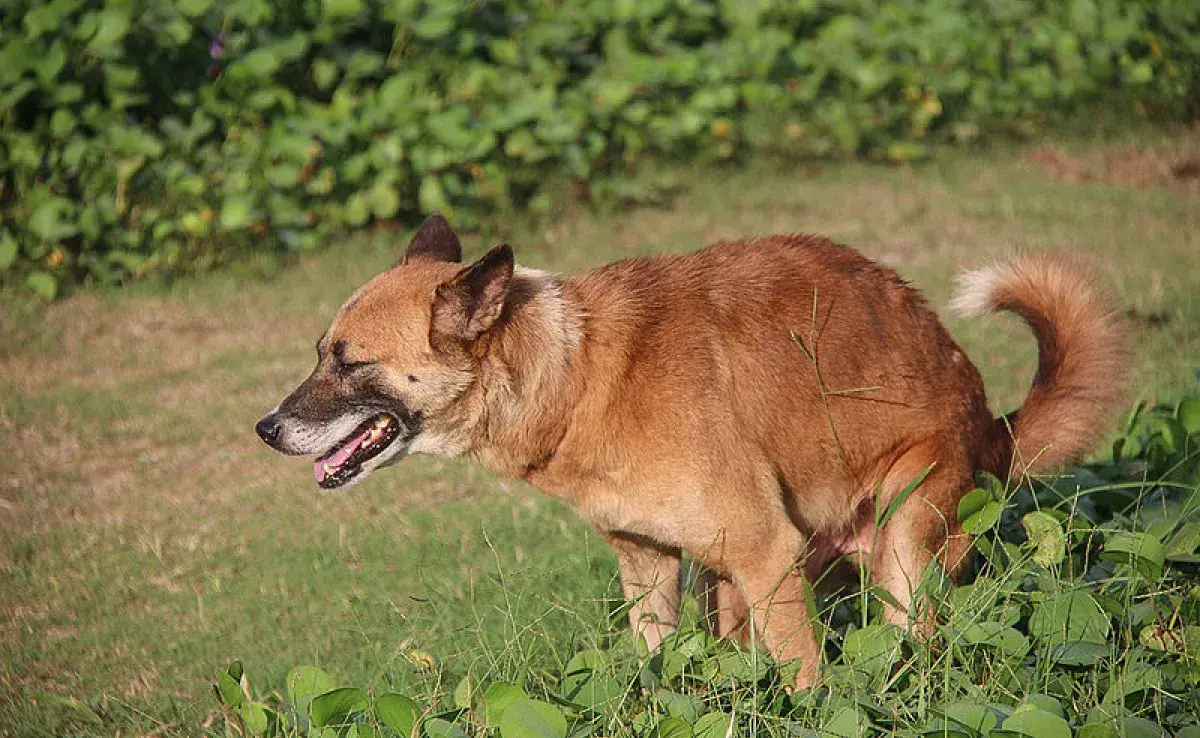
(434, 241)
(468, 305)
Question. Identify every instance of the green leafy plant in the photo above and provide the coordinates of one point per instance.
(141, 139)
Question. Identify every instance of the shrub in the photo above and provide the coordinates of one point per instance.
(143, 138)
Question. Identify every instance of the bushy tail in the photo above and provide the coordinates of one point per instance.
(1082, 357)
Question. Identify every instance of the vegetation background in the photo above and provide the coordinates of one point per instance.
(239, 167)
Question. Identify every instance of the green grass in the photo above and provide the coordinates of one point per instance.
(147, 538)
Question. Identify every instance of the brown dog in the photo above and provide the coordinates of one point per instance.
(752, 404)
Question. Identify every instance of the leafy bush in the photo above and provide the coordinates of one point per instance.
(1083, 620)
(141, 138)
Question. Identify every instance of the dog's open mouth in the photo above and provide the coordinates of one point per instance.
(344, 462)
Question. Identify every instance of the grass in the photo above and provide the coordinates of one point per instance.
(147, 538)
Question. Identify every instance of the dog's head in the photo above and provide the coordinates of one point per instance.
(396, 364)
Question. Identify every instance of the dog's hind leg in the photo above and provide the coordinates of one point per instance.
(770, 576)
(924, 529)
(725, 612)
(650, 577)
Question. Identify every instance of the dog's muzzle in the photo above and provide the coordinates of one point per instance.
(379, 439)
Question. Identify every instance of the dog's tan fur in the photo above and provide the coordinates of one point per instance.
(743, 404)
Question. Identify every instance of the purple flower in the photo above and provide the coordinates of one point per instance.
(216, 50)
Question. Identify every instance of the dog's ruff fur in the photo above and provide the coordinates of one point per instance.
(749, 404)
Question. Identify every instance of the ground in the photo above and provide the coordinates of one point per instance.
(147, 537)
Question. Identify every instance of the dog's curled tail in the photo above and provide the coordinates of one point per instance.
(1082, 358)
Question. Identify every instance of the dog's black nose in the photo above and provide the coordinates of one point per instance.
(268, 429)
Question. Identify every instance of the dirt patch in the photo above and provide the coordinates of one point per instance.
(1129, 166)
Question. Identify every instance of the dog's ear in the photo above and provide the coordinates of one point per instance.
(434, 241)
(469, 304)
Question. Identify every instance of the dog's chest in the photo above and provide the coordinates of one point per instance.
(670, 514)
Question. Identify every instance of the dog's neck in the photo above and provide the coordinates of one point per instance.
(531, 384)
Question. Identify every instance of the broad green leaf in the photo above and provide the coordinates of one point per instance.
(1144, 552)
(397, 712)
(463, 693)
(686, 707)
(111, 27)
(42, 284)
(672, 727)
(1184, 544)
(193, 7)
(497, 698)
(1046, 537)
(587, 680)
(49, 220)
(1034, 722)
(435, 25)
(996, 635)
(304, 683)
(1188, 413)
(40, 19)
(385, 201)
(1045, 702)
(978, 511)
(229, 690)
(1069, 617)
(442, 728)
(741, 665)
(1137, 679)
(237, 212)
(332, 708)
(324, 73)
(1097, 730)
(342, 8)
(8, 249)
(255, 716)
(593, 690)
(1079, 653)
(260, 63)
(432, 198)
(977, 718)
(1139, 727)
(942, 728)
(873, 649)
(358, 209)
(532, 719)
(713, 725)
(845, 723)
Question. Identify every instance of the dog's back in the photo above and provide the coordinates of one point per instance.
(774, 350)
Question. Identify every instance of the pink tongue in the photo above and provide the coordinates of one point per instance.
(339, 457)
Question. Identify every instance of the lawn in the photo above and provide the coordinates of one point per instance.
(147, 538)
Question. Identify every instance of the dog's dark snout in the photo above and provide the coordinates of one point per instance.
(269, 429)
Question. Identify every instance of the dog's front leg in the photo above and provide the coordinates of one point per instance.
(650, 576)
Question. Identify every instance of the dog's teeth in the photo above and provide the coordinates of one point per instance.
(328, 469)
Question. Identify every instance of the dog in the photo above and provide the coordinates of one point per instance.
(753, 404)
